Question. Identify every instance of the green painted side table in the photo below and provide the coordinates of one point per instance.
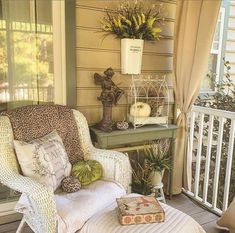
(122, 138)
(134, 139)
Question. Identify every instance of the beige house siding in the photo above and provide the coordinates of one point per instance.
(230, 43)
(93, 54)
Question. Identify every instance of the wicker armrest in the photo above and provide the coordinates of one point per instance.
(116, 165)
(39, 196)
(42, 213)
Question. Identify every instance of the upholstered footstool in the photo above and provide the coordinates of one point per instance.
(175, 222)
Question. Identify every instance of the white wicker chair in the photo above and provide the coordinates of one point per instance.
(42, 217)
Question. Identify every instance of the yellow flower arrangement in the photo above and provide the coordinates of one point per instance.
(134, 20)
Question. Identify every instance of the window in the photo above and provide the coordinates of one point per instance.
(32, 60)
(222, 48)
(29, 42)
(215, 58)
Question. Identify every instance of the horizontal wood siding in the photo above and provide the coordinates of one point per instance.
(94, 53)
(230, 44)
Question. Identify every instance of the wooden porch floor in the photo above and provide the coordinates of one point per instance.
(205, 218)
(181, 202)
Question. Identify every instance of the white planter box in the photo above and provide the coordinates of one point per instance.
(148, 120)
(131, 56)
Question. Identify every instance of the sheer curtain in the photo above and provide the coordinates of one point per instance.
(26, 53)
(26, 59)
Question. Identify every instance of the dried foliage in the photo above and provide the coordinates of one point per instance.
(134, 20)
(142, 179)
(157, 155)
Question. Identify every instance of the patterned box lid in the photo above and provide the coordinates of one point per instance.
(139, 205)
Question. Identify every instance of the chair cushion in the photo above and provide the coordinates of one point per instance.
(35, 121)
(74, 209)
(44, 160)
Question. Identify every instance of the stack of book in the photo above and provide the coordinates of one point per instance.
(137, 210)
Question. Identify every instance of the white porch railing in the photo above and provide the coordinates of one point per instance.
(27, 93)
(211, 147)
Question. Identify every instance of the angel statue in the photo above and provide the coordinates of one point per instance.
(110, 95)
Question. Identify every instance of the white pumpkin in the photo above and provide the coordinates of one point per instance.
(140, 109)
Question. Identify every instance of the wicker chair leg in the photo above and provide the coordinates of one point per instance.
(21, 226)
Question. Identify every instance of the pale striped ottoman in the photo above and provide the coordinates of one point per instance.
(175, 222)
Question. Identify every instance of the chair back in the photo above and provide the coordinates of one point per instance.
(35, 121)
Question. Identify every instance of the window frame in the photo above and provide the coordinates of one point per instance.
(65, 68)
(225, 5)
(220, 43)
(219, 51)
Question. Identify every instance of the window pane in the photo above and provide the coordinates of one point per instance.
(27, 52)
(207, 83)
(215, 45)
(216, 37)
(44, 9)
(215, 56)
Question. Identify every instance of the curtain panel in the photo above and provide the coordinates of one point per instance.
(194, 30)
(227, 219)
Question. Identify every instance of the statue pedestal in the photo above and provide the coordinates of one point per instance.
(106, 124)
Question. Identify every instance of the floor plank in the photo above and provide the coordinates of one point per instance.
(199, 214)
(204, 217)
(12, 227)
(9, 227)
(180, 202)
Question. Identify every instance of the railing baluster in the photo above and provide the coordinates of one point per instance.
(198, 159)
(229, 165)
(208, 158)
(191, 138)
(217, 163)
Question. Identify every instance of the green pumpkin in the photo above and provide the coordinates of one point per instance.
(87, 171)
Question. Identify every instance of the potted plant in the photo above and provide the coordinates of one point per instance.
(157, 158)
(133, 23)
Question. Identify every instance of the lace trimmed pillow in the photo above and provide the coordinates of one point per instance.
(44, 159)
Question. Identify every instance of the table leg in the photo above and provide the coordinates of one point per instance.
(172, 167)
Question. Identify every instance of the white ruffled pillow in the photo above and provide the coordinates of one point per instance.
(44, 159)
